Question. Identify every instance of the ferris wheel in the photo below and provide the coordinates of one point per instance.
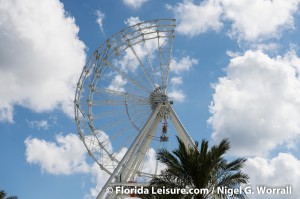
(122, 108)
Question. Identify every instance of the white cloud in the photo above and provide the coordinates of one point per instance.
(39, 124)
(195, 19)
(132, 21)
(292, 58)
(269, 47)
(182, 65)
(134, 3)
(250, 20)
(281, 170)
(67, 155)
(176, 80)
(177, 95)
(150, 163)
(232, 54)
(99, 177)
(41, 57)
(257, 19)
(64, 156)
(100, 16)
(117, 83)
(6, 112)
(178, 67)
(257, 105)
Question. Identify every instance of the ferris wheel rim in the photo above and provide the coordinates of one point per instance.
(83, 77)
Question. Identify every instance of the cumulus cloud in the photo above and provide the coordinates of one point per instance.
(176, 80)
(39, 124)
(64, 156)
(41, 57)
(292, 58)
(99, 178)
(150, 163)
(117, 83)
(132, 21)
(134, 3)
(177, 68)
(257, 105)
(259, 19)
(177, 95)
(195, 18)
(100, 16)
(6, 112)
(182, 65)
(265, 47)
(249, 20)
(67, 155)
(281, 170)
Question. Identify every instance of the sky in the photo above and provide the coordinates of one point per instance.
(236, 67)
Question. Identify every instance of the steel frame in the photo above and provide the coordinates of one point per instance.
(124, 171)
(131, 161)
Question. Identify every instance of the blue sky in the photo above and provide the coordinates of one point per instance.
(237, 62)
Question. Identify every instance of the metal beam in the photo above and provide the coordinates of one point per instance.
(141, 153)
(183, 135)
(130, 153)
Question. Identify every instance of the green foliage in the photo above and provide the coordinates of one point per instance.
(3, 195)
(202, 168)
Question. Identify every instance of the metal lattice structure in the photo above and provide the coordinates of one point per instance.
(122, 108)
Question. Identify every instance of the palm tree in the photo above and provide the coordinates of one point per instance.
(3, 194)
(203, 168)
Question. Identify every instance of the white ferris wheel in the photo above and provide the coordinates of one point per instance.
(122, 108)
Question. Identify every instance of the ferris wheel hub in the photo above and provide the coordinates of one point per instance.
(157, 96)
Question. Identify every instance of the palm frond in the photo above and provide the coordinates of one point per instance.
(200, 167)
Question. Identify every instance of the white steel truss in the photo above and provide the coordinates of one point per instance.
(121, 101)
(131, 161)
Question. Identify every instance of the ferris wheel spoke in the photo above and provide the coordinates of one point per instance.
(126, 134)
(111, 125)
(117, 102)
(169, 56)
(108, 114)
(149, 54)
(97, 144)
(120, 133)
(160, 63)
(139, 116)
(125, 75)
(140, 61)
(143, 67)
(122, 130)
(124, 95)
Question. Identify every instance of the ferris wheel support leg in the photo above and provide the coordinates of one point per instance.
(183, 135)
(128, 156)
(141, 152)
